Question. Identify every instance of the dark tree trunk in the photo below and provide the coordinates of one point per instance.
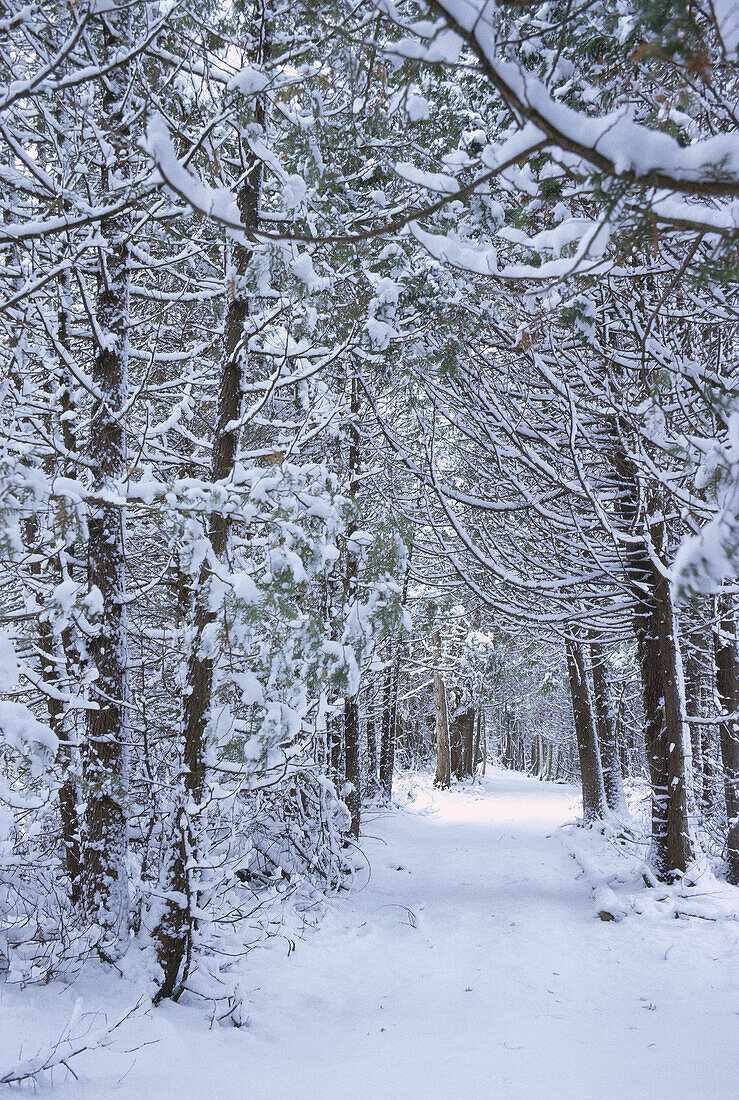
(66, 655)
(443, 776)
(54, 657)
(593, 794)
(681, 843)
(104, 874)
(694, 661)
(456, 740)
(666, 738)
(468, 745)
(335, 735)
(174, 933)
(648, 651)
(390, 712)
(352, 763)
(700, 700)
(372, 774)
(727, 683)
(606, 726)
(479, 749)
(461, 743)
(507, 741)
(59, 720)
(197, 697)
(389, 729)
(712, 779)
(351, 706)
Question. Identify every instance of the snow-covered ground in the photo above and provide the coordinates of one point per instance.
(471, 965)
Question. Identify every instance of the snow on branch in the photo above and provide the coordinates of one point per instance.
(707, 560)
(484, 261)
(215, 202)
(77, 1037)
(614, 144)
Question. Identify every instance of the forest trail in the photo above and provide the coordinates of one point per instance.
(471, 965)
(477, 969)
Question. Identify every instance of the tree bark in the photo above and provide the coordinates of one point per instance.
(443, 776)
(593, 794)
(105, 847)
(696, 702)
(666, 738)
(66, 732)
(461, 743)
(352, 763)
(390, 720)
(372, 772)
(606, 727)
(682, 846)
(468, 743)
(389, 723)
(174, 932)
(477, 757)
(456, 742)
(727, 683)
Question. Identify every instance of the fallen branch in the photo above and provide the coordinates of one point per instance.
(67, 1047)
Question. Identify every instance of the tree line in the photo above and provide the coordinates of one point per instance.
(368, 399)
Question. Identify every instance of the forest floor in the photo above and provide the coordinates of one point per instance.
(472, 964)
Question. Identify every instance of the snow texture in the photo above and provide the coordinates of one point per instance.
(472, 954)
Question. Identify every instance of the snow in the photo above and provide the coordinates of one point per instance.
(627, 145)
(727, 20)
(217, 202)
(433, 181)
(302, 265)
(484, 261)
(23, 732)
(9, 669)
(417, 107)
(472, 955)
(704, 561)
(250, 80)
(294, 191)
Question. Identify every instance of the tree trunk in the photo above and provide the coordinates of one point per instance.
(443, 776)
(67, 732)
(372, 775)
(682, 847)
(605, 724)
(666, 739)
(727, 683)
(593, 794)
(387, 739)
(468, 744)
(174, 932)
(351, 706)
(456, 744)
(390, 721)
(105, 848)
(478, 750)
(648, 651)
(352, 763)
(461, 743)
(694, 653)
(700, 700)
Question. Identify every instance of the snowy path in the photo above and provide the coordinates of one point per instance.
(470, 966)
